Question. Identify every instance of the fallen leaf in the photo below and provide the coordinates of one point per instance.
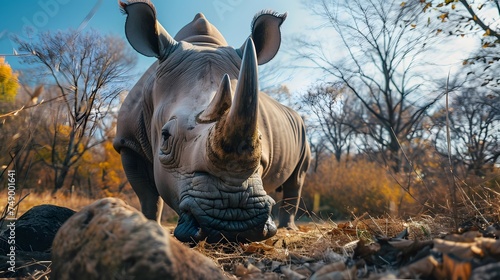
(468, 236)
(459, 249)
(240, 270)
(255, 247)
(422, 268)
(296, 258)
(292, 275)
(489, 246)
(253, 269)
(305, 228)
(456, 269)
(337, 275)
(338, 266)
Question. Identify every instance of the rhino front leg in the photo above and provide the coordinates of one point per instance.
(140, 175)
(292, 189)
(289, 206)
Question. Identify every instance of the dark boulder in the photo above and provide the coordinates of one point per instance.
(35, 230)
(33, 234)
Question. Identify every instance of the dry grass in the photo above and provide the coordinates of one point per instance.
(72, 201)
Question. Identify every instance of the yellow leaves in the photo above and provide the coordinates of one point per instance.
(413, 25)
(486, 45)
(403, 4)
(474, 18)
(111, 168)
(487, 33)
(8, 82)
(63, 130)
(443, 17)
(427, 6)
(446, 2)
(103, 165)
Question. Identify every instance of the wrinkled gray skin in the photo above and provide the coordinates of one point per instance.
(196, 132)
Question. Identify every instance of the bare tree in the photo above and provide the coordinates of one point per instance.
(336, 114)
(17, 140)
(88, 71)
(474, 119)
(474, 19)
(379, 63)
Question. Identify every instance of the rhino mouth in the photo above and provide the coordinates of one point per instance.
(213, 211)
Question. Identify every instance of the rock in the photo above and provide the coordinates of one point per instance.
(486, 272)
(35, 230)
(111, 240)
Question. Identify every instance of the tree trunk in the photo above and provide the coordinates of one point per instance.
(60, 178)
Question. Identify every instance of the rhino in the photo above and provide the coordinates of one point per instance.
(196, 133)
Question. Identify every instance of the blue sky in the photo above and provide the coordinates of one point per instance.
(231, 17)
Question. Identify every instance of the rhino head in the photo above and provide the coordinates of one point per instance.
(200, 104)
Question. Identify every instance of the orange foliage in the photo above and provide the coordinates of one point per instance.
(113, 174)
(104, 166)
(8, 82)
(354, 186)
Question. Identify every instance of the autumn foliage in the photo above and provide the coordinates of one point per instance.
(352, 187)
(8, 82)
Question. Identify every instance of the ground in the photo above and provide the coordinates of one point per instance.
(363, 248)
(366, 248)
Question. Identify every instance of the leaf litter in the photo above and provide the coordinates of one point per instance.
(366, 248)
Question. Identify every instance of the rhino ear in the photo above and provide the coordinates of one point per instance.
(144, 32)
(266, 34)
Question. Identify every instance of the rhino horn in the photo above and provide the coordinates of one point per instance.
(219, 104)
(235, 142)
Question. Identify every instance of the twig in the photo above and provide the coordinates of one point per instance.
(24, 107)
(4, 213)
(409, 162)
(448, 139)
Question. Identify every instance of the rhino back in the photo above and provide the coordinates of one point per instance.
(134, 118)
(285, 143)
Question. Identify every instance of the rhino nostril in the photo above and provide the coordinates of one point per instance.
(165, 135)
